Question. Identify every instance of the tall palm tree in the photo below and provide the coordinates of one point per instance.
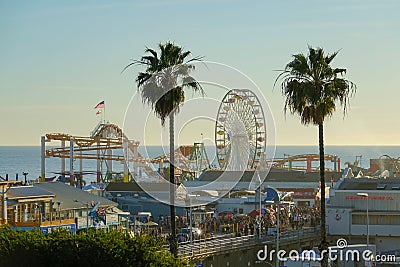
(162, 86)
(312, 89)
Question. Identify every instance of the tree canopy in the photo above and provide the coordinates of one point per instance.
(312, 87)
(97, 248)
(166, 76)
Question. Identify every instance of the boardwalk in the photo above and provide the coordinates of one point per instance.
(229, 243)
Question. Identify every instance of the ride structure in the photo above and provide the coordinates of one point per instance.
(104, 144)
(241, 137)
(240, 131)
(291, 162)
(107, 144)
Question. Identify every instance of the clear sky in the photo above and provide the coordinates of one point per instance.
(58, 59)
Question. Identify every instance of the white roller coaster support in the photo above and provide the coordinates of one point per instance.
(126, 157)
(98, 164)
(109, 162)
(43, 158)
(71, 161)
(135, 164)
(63, 162)
(81, 163)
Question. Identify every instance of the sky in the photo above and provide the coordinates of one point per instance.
(60, 58)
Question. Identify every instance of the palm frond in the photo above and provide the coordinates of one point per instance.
(311, 86)
(164, 71)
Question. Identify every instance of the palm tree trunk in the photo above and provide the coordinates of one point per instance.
(173, 241)
(322, 202)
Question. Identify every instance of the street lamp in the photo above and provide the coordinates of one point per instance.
(260, 206)
(87, 213)
(59, 210)
(190, 217)
(277, 202)
(366, 196)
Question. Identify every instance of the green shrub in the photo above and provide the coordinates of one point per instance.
(96, 248)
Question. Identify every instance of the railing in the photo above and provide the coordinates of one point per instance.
(217, 245)
(226, 243)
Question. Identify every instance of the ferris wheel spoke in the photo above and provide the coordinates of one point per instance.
(240, 130)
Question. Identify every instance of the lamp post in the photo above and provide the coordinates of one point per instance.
(87, 213)
(277, 202)
(259, 216)
(366, 196)
(260, 206)
(59, 210)
(190, 217)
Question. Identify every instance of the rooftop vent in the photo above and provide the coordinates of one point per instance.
(381, 186)
(395, 186)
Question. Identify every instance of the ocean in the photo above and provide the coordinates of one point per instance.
(14, 160)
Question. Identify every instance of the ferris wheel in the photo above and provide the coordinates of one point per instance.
(240, 131)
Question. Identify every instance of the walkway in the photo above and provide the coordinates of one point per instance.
(228, 243)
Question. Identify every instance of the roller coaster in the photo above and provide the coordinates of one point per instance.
(287, 162)
(105, 144)
(389, 163)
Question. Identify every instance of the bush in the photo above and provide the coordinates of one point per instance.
(96, 248)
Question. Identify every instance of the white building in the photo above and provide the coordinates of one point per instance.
(347, 210)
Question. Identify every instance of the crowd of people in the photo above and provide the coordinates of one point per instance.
(290, 218)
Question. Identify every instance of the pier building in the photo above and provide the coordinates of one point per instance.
(350, 202)
(51, 205)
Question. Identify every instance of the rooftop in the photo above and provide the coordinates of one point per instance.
(275, 175)
(367, 183)
(137, 187)
(28, 192)
(66, 194)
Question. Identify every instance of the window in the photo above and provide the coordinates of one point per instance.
(241, 211)
(359, 219)
(381, 186)
(376, 219)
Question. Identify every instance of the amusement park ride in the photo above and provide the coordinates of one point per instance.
(105, 145)
(240, 139)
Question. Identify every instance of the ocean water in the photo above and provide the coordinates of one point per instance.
(14, 160)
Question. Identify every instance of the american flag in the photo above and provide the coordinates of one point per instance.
(100, 105)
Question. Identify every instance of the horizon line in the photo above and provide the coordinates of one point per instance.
(299, 145)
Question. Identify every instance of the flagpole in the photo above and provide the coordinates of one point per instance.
(104, 118)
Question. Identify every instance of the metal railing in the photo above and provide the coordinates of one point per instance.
(225, 243)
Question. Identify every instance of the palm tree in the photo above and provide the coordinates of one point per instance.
(162, 86)
(312, 89)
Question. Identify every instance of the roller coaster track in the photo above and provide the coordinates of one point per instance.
(109, 137)
(105, 136)
(394, 161)
(280, 163)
